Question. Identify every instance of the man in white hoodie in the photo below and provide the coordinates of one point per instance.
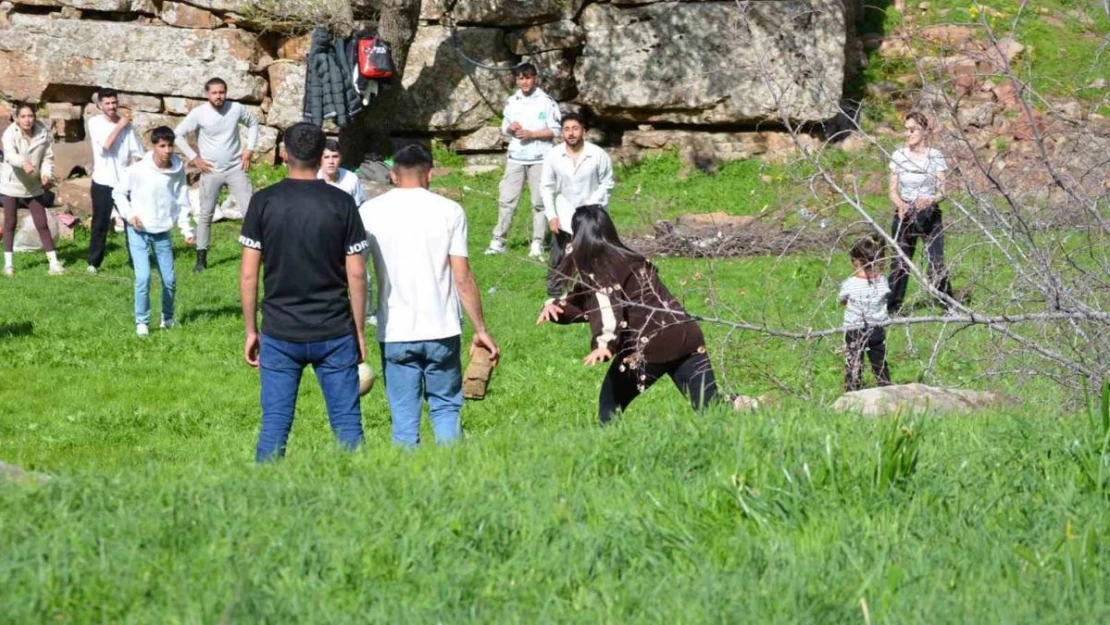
(531, 118)
(152, 195)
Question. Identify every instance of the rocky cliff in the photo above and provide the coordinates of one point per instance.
(710, 67)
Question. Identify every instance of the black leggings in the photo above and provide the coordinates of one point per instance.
(873, 341)
(38, 215)
(693, 375)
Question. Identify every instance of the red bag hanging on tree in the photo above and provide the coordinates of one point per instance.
(375, 59)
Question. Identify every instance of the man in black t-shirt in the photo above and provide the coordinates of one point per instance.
(309, 238)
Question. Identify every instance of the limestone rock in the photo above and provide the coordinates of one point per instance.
(445, 93)
(72, 158)
(975, 114)
(295, 48)
(502, 12)
(720, 146)
(485, 139)
(916, 398)
(633, 69)
(186, 16)
(76, 194)
(140, 102)
(561, 35)
(36, 52)
(287, 84)
(556, 73)
(62, 111)
(267, 142)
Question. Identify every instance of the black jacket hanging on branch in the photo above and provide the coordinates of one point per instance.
(330, 81)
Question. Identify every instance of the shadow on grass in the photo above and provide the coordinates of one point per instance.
(17, 329)
(206, 314)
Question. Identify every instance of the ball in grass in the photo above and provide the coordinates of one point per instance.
(365, 379)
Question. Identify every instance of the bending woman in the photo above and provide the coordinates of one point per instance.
(635, 321)
(28, 167)
(917, 173)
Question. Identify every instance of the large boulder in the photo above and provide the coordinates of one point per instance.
(713, 62)
(113, 6)
(561, 35)
(446, 93)
(287, 86)
(916, 398)
(37, 52)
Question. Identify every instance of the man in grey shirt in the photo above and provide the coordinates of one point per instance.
(221, 161)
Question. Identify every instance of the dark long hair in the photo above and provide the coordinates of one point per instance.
(596, 247)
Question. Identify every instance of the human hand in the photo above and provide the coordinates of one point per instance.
(250, 349)
(513, 127)
(601, 354)
(124, 120)
(554, 225)
(136, 223)
(245, 160)
(550, 312)
(483, 339)
(190, 241)
(523, 134)
(903, 208)
(28, 167)
(203, 165)
(45, 179)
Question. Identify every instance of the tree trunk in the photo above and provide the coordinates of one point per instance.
(367, 139)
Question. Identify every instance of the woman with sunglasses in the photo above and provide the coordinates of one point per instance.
(917, 173)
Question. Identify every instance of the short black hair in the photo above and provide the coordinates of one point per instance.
(162, 133)
(332, 145)
(106, 92)
(413, 157)
(869, 252)
(575, 117)
(524, 69)
(215, 81)
(304, 145)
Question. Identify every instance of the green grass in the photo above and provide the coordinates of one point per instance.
(796, 514)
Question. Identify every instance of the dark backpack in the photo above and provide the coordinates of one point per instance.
(375, 58)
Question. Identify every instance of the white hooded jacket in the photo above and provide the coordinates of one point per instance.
(159, 197)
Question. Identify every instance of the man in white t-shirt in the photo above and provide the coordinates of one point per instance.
(336, 176)
(418, 243)
(115, 145)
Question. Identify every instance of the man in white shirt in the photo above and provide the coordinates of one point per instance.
(336, 176)
(115, 145)
(222, 162)
(576, 173)
(418, 243)
(531, 118)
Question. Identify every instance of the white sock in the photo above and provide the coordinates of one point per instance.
(53, 256)
(7, 259)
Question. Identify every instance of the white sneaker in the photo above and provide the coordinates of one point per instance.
(536, 251)
(9, 270)
(495, 247)
(142, 329)
(91, 270)
(167, 324)
(56, 269)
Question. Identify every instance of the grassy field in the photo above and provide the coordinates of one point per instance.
(796, 514)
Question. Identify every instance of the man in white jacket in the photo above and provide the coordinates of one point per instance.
(151, 197)
(531, 118)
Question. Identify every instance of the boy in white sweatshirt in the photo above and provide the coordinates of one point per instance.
(151, 197)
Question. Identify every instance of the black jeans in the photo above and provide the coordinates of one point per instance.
(559, 242)
(873, 340)
(924, 224)
(693, 375)
(103, 205)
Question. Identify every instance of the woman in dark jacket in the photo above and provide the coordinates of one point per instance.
(635, 321)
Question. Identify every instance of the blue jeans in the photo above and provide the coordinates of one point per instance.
(281, 364)
(423, 370)
(140, 244)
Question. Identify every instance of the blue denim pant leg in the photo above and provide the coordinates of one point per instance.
(413, 371)
(443, 388)
(403, 376)
(281, 365)
(138, 243)
(163, 254)
(336, 365)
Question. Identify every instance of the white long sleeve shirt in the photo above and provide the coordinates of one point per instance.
(536, 111)
(158, 197)
(217, 134)
(566, 185)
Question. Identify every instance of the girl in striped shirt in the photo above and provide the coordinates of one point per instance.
(864, 296)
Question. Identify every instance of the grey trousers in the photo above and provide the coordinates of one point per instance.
(512, 185)
(238, 184)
